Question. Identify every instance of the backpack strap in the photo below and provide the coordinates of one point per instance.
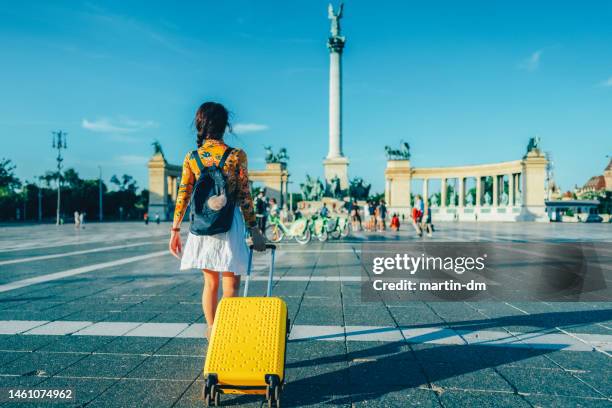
(226, 153)
(196, 156)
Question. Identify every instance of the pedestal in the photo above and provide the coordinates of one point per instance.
(337, 167)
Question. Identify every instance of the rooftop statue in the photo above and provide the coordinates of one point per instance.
(403, 153)
(534, 144)
(157, 148)
(280, 157)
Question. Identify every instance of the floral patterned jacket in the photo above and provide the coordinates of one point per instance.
(235, 170)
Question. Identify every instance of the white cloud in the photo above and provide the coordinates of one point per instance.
(121, 125)
(533, 62)
(607, 83)
(240, 128)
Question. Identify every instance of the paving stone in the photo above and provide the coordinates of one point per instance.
(394, 396)
(137, 393)
(465, 377)
(551, 382)
(104, 365)
(387, 371)
(169, 368)
(181, 346)
(83, 344)
(132, 345)
(566, 402)
(374, 350)
(484, 399)
(40, 364)
(319, 315)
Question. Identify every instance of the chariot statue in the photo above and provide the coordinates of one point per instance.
(403, 153)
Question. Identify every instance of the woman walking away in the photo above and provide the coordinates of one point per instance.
(224, 253)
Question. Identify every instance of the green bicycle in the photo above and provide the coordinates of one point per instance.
(299, 229)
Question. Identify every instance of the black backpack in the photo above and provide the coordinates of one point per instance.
(212, 208)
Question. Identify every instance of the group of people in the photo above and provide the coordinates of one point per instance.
(374, 216)
(265, 207)
(376, 213)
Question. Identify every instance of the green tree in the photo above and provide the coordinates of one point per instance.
(8, 181)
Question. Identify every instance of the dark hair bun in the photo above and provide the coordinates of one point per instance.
(211, 120)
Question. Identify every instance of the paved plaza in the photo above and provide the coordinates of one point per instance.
(105, 311)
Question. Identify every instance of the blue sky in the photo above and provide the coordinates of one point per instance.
(462, 82)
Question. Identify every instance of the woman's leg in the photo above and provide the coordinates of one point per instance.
(231, 284)
(209, 297)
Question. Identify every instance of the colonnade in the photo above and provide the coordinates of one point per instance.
(505, 191)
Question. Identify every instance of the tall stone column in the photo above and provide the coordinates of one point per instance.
(335, 164)
(426, 192)
(478, 191)
(511, 189)
(461, 191)
(443, 192)
(495, 190)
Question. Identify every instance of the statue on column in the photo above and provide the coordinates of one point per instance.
(534, 144)
(335, 19)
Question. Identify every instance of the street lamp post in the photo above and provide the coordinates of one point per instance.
(39, 202)
(100, 192)
(59, 143)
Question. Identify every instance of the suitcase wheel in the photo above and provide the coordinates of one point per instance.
(210, 392)
(273, 392)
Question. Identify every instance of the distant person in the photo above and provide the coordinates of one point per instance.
(382, 216)
(82, 220)
(428, 226)
(157, 218)
(273, 208)
(261, 209)
(417, 214)
(395, 222)
(77, 220)
(355, 217)
(146, 218)
(371, 222)
(324, 211)
(223, 256)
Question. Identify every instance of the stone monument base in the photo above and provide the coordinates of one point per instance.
(337, 166)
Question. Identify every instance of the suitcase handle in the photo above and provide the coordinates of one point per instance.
(270, 274)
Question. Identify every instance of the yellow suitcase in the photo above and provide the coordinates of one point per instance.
(246, 353)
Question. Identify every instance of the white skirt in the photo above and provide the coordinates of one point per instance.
(224, 252)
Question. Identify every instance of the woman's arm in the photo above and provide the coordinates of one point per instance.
(182, 200)
(184, 193)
